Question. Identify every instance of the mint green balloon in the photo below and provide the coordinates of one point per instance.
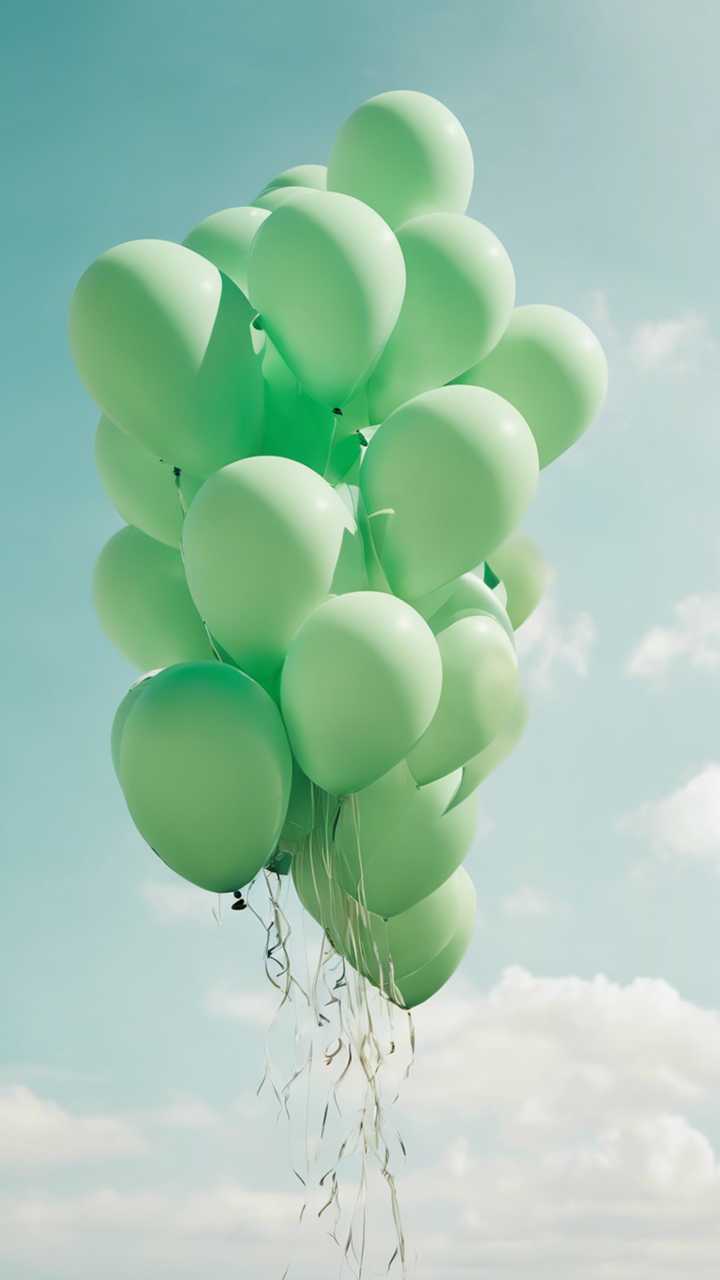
(300, 175)
(162, 342)
(205, 768)
(392, 954)
(553, 369)
(479, 687)
(360, 685)
(470, 595)
(459, 297)
(457, 467)
(395, 843)
(275, 197)
(265, 541)
(143, 603)
(482, 765)
(519, 565)
(327, 276)
(405, 154)
(425, 982)
(225, 239)
(298, 427)
(142, 488)
(123, 712)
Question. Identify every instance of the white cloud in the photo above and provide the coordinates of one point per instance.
(564, 1133)
(528, 903)
(549, 643)
(174, 902)
(253, 1007)
(37, 1131)
(693, 637)
(686, 822)
(673, 344)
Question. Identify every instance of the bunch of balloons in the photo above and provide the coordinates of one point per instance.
(323, 421)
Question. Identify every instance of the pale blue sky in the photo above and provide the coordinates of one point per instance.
(595, 128)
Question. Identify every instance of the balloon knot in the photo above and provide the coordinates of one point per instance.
(239, 904)
(177, 472)
(258, 323)
(338, 412)
(361, 438)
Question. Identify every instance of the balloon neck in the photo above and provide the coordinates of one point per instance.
(489, 578)
(338, 412)
(362, 439)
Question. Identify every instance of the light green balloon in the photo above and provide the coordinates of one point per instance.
(404, 154)
(205, 768)
(275, 197)
(470, 595)
(225, 239)
(519, 565)
(143, 603)
(553, 369)
(392, 954)
(361, 683)
(327, 276)
(459, 297)
(298, 427)
(479, 687)
(423, 983)
(457, 467)
(395, 843)
(162, 342)
(481, 765)
(265, 541)
(123, 712)
(300, 175)
(142, 488)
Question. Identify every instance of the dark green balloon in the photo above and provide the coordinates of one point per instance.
(205, 767)
(143, 603)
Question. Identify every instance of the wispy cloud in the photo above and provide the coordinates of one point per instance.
(37, 1131)
(673, 344)
(528, 903)
(178, 902)
(692, 637)
(552, 644)
(685, 823)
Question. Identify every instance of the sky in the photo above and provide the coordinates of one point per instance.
(562, 1117)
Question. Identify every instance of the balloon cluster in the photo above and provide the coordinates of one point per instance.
(323, 420)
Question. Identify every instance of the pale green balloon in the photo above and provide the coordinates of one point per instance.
(143, 603)
(519, 565)
(298, 427)
(395, 843)
(300, 175)
(458, 468)
(553, 369)
(392, 954)
(205, 767)
(479, 687)
(481, 765)
(162, 342)
(470, 595)
(142, 488)
(327, 276)
(225, 239)
(459, 297)
(265, 541)
(360, 685)
(275, 197)
(423, 983)
(405, 154)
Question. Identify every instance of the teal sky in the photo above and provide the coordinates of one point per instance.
(595, 130)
